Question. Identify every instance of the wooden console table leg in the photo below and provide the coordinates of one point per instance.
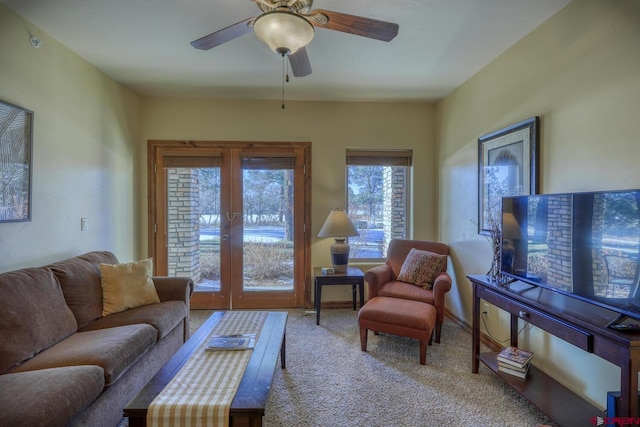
(475, 332)
(514, 330)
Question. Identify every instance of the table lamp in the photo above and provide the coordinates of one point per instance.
(339, 226)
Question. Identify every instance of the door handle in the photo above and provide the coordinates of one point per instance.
(232, 216)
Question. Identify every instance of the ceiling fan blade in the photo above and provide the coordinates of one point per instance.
(358, 25)
(300, 64)
(222, 36)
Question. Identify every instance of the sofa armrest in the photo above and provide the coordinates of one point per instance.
(441, 286)
(376, 277)
(173, 288)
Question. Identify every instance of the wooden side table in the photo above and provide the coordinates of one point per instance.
(353, 276)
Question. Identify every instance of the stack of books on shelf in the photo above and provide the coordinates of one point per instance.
(514, 361)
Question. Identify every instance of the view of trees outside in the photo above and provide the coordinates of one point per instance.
(268, 228)
(267, 224)
(267, 219)
(375, 197)
(209, 182)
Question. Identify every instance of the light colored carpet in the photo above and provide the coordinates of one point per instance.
(329, 381)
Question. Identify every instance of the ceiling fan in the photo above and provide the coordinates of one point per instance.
(287, 26)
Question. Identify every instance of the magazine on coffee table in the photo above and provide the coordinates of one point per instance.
(231, 342)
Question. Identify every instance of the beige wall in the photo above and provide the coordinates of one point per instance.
(85, 128)
(580, 72)
(330, 127)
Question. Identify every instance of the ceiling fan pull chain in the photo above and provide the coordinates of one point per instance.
(287, 79)
(283, 78)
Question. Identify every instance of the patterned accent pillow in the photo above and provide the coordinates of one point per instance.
(421, 268)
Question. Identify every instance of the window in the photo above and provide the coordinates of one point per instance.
(377, 199)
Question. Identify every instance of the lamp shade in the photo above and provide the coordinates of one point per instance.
(338, 224)
(284, 32)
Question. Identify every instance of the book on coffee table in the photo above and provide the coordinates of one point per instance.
(231, 342)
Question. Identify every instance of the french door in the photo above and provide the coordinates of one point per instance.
(232, 217)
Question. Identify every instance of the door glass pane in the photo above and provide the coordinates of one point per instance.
(268, 219)
(193, 225)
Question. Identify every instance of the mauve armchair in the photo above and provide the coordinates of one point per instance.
(382, 280)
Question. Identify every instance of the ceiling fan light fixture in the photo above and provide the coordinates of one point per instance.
(283, 31)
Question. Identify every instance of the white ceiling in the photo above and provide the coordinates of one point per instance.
(145, 45)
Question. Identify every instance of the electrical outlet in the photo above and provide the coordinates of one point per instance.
(485, 309)
(346, 292)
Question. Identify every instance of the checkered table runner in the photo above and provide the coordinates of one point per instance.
(202, 391)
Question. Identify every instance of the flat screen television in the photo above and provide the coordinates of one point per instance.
(586, 245)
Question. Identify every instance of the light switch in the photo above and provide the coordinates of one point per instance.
(84, 224)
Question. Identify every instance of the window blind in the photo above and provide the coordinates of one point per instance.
(270, 163)
(372, 157)
(191, 162)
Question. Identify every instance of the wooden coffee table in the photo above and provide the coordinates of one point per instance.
(248, 406)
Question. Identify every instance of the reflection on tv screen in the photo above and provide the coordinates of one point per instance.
(585, 244)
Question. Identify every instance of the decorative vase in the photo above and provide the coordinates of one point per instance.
(340, 255)
(494, 272)
(495, 240)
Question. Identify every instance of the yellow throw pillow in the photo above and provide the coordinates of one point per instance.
(126, 286)
(421, 268)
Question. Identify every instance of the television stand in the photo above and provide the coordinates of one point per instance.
(580, 323)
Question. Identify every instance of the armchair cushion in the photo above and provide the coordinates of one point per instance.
(402, 290)
(421, 268)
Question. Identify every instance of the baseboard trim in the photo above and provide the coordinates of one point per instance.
(484, 338)
(336, 304)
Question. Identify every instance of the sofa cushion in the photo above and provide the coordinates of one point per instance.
(48, 397)
(33, 315)
(79, 278)
(421, 268)
(395, 289)
(113, 349)
(164, 317)
(127, 285)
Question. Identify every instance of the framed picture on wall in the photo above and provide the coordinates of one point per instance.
(16, 139)
(507, 166)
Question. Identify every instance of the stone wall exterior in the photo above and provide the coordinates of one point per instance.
(183, 223)
(395, 204)
(559, 242)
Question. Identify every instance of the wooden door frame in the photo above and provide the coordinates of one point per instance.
(157, 148)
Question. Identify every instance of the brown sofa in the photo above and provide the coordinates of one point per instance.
(63, 363)
(382, 279)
